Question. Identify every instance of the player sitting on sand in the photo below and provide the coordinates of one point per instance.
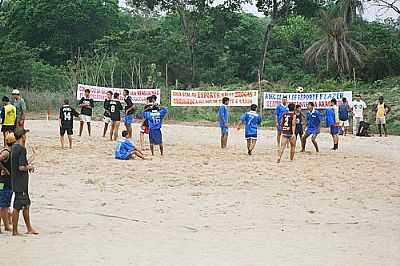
(313, 127)
(288, 127)
(251, 120)
(66, 122)
(115, 114)
(155, 119)
(107, 115)
(333, 122)
(125, 150)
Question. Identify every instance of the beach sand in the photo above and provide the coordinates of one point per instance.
(200, 205)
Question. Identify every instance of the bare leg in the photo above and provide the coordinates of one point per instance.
(278, 137)
(252, 145)
(62, 142)
(314, 141)
(284, 142)
(116, 128)
(81, 128)
(141, 140)
(4, 138)
(105, 130)
(89, 128)
(225, 140)
(303, 142)
(139, 154)
(4, 216)
(15, 218)
(129, 129)
(162, 149)
(292, 148)
(152, 149)
(248, 146)
(385, 129)
(222, 141)
(112, 130)
(27, 219)
(70, 141)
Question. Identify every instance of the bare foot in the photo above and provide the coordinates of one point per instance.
(278, 161)
(17, 234)
(32, 232)
(8, 229)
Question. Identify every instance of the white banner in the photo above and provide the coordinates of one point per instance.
(213, 98)
(320, 99)
(99, 93)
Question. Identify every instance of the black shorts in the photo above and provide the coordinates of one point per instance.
(21, 200)
(69, 131)
(5, 128)
(299, 132)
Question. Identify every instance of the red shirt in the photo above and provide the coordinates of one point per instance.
(287, 123)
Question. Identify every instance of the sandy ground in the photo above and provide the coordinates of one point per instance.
(203, 206)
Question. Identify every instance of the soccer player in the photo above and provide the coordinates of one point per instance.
(5, 182)
(359, 108)
(332, 121)
(125, 150)
(313, 127)
(344, 109)
(300, 117)
(155, 119)
(9, 117)
(144, 128)
(223, 114)
(279, 111)
(251, 120)
(129, 109)
(87, 105)
(66, 122)
(381, 109)
(20, 169)
(107, 115)
(20, 106)
(115, 114)
(288, 129)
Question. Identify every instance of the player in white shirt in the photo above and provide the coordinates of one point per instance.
(359, 108)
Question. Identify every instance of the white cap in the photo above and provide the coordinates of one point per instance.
(15, 92)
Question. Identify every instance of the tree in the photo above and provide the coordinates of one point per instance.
(335, 45)
(387, 4)
(349, 9)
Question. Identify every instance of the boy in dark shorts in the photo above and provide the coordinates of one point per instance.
(115, 114)
(20, 169)
(144, 128)
(223, 114)
(251, 120)
(5, 182)
(288, 129)
(300, 117)
(66, 122)
(332, 121)
(87, 105)
(313, 127)
(8, 117)
(106, 116)
(155, 119)
(129, 109)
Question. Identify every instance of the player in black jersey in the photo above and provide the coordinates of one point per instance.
(107, 117)
(66, 122)
(115, 114)
(87, 105)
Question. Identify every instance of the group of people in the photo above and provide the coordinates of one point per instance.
(114, 114)
(14, 165)
(290, 120)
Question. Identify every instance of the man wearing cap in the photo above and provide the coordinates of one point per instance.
(9, 117)
(5, 182)
(20, 106)
(20, 169)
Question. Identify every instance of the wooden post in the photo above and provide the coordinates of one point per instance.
(261, 97)
(166, 75)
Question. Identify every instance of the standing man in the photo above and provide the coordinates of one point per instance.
(9, 117)
(155, 119)
(20, 169)
(66, 122)
(252, 121)
(332, 121)
(115, 114)
(359, 108)
(223, 114)
(344, 110)
(129, 109)
(313, 127)
(279, 111)
(20, 106)
(381, 109)
(288, 132)
(87, 105)
(106, 116)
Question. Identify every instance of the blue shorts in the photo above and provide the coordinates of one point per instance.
(335, 130)
(5, 198)
(224, 130)
(313, 133)
(155, 136)
(250, 136)
(128, 120)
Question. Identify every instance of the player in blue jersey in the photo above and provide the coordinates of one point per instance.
(332, 121)
(288, 132)
(223, 114)
(155, 118)
(279, 111)
(313, 126)
(251, 121)
(125, 150)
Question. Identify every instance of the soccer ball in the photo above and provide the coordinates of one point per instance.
(300, 89)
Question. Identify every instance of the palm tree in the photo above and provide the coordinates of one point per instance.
(349, 9)
(336, 46)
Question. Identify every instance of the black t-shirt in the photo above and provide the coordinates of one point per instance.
(107, 110)
(5, 179)
(67, 114)
(115, 110)
(20, 179)
(129, 104)
(85, 110)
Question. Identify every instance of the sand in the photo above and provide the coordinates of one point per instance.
(203, 206)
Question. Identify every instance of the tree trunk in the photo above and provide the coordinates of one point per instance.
(267, 38)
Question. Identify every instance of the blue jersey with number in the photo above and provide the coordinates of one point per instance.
(155, 118)
(223, 114)
(330, 117)
(123, 150)
(279, 111)
(251, 120)
(313, 121)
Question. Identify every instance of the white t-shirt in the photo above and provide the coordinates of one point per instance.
(358, 108)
